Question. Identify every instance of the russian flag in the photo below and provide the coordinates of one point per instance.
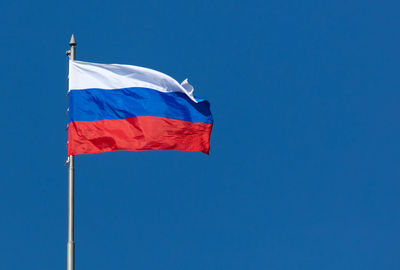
(121, 107)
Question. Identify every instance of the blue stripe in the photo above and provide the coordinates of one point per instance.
(100, 104)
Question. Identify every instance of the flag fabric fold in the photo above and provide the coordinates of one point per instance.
(121, 107)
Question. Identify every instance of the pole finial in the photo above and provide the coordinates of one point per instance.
(72, 42)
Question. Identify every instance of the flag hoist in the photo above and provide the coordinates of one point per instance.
(71, 244)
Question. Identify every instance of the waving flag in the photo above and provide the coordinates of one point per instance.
(120, 107)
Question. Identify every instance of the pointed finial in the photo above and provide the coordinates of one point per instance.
(72, 42)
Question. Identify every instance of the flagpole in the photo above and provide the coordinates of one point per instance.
(71, 243)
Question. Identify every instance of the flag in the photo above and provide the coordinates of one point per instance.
(122, 107)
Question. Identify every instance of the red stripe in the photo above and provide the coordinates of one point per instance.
(137, 134)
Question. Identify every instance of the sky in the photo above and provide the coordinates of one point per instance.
(303, 171)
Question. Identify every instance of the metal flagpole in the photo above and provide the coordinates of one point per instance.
(71, 244)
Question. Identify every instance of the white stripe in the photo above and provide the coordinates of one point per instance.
(85, 75)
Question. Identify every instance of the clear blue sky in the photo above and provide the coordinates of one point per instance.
(304, 165)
